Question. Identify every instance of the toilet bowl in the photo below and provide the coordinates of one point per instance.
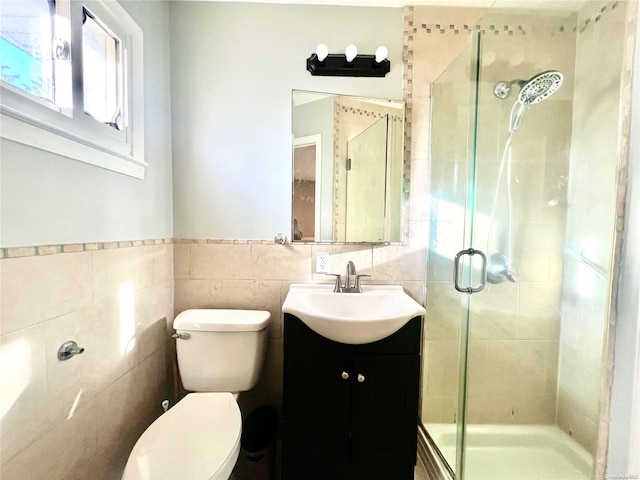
(219, 352)
(199, 438)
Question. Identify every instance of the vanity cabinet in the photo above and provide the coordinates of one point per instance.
(350, 411)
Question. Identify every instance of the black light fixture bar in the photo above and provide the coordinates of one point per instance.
(336, 65)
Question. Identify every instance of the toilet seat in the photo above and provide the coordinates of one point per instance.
(197, 439)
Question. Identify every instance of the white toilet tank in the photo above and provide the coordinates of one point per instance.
(221, 350)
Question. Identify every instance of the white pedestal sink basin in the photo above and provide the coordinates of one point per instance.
(353, 318)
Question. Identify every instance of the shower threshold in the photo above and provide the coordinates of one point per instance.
(508, 452)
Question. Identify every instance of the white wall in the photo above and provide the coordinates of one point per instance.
(624, 440)
(47, 199)
(232, 111)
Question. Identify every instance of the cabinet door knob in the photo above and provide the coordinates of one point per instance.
(361, 378)
(345, 375)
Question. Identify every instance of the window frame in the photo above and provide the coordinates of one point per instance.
(70, 132)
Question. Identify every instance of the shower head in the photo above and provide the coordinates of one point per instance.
(534, 90)
(540, 86)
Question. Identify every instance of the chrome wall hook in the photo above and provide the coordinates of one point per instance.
(68, 350)
(280, 239)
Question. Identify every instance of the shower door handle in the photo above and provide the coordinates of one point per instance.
(456, 271)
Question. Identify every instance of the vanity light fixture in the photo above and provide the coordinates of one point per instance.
(349, 64)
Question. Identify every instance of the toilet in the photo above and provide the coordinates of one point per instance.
(220, 353)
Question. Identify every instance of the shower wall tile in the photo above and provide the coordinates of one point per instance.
(595, 151)
(435, 44)
(445, 313)
(116, 301)
(539, 311)
(439, 409)
(488, 409)
(495, 313)
(534, 410)
(443, 365)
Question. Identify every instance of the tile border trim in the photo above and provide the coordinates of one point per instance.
(41, 250)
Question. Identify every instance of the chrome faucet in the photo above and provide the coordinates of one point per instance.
(351, 270)
(347, 287)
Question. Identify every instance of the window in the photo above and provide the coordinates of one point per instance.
(71, 79)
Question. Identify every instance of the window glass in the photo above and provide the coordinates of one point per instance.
(100, 54)
(26, 37)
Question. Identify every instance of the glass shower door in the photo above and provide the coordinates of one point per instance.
(452, 173)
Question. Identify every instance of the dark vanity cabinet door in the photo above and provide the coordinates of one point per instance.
(317, 415)
(385, 416)
(350, 411)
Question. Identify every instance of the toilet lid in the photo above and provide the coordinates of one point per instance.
(197, 439)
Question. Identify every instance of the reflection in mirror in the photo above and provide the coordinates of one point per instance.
(348, 168)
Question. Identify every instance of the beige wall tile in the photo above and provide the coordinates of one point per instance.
(439, 409)
(70, 384)
(444, 314)
(120, 418)
(196, 294)
(539, 312)
(67, 451)
(153, 312)
(433, 52)
(114, 341)
(534, 409)
(163, 264)
(121, 268)
(493, 410)
(396, 264)
(220, 261)
(281, 262)
(23, 391)
(254, 295)
(442, 367)
(494, 312)
(516, 366)
(415, 290)
(182, 260)
(40, 287)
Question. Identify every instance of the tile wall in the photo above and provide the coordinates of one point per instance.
(594, 175)
(80, 418)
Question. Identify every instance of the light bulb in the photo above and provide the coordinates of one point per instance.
(322, 51)
(381, 53)
(351, 52)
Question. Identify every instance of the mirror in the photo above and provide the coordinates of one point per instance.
(348, 168)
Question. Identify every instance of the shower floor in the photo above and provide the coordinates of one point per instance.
(507, 452)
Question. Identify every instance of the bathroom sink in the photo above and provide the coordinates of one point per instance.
(353, 318)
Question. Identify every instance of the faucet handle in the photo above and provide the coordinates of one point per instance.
(357, 285)
(338, 286)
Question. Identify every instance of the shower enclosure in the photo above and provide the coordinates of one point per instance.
(525, 151)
